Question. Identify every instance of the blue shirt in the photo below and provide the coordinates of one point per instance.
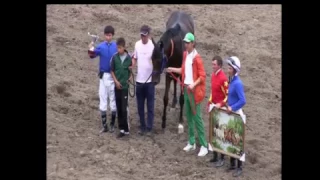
(105, 50)
(236, 96)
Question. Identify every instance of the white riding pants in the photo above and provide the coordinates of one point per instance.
(106, 92)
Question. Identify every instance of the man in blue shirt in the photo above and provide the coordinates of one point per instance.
(236, 101)
(105, 50)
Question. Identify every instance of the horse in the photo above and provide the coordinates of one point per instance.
(171, 46)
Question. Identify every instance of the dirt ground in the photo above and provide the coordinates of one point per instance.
(75, 150)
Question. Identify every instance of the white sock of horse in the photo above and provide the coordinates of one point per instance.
(180, 128)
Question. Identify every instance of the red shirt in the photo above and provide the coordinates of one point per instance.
(219, 88)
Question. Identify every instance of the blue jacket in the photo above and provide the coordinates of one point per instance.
(105, 50)
(236, 96)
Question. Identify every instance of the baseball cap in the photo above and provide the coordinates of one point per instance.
(145, 30)
(189, 37)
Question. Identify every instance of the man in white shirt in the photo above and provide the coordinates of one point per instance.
(145, 88)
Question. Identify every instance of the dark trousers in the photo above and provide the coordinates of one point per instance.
(122, 103)
(145, 91)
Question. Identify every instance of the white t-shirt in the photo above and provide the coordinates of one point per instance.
(188, 67)
(143, 54)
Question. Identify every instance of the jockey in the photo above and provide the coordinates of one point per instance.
(236, 101)
(105, 51)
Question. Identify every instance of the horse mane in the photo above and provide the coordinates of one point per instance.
(171, 32)
(156, 54)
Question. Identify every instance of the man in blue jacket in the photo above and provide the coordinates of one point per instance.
(236, 101)
(105, 50)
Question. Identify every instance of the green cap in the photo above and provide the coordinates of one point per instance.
(189, 37)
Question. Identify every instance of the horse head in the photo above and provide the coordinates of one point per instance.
(156, 61)
(164, 48)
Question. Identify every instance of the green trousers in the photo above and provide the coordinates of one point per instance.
(194, 120)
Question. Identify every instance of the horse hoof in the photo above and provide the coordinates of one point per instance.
(174, 103)
(163, 131)
(180, 129)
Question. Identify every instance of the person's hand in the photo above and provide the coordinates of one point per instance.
(229, 110)
(91, 45)
(118, 85)
(169, 69)
(191, 86)
(208, 106)
(218, 105)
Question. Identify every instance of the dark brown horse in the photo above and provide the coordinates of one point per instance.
(171, 47)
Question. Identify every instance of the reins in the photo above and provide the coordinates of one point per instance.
(189, 91)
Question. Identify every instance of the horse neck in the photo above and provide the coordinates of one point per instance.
(176, 58)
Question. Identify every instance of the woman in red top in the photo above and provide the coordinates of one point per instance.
(219, 96)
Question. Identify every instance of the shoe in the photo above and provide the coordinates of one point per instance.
(149, 133)
(237, 173)
(141, 133)
(121, 134)
(203, 151)
(190, 147)
(220, 163)
(126, 133)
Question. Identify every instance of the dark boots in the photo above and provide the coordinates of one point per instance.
(215, 157)
(104, 123)
(113, 120)
(232, 164)
(220, 163)
(238, 170)
(217, 162)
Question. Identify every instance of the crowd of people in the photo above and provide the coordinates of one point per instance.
(115, 72)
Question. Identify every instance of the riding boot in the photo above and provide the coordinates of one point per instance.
(215, 157)
(232, 164)
(113, 119)
(104, 123)
(220, 163)
(238, 171)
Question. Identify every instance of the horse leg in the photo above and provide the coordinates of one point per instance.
(181, 102)
(165, 101)
(174, 99)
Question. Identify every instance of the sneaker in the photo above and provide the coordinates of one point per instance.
(203, 151)
(190, 147)
(126, 133)
(149, 133)
(120, 135)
